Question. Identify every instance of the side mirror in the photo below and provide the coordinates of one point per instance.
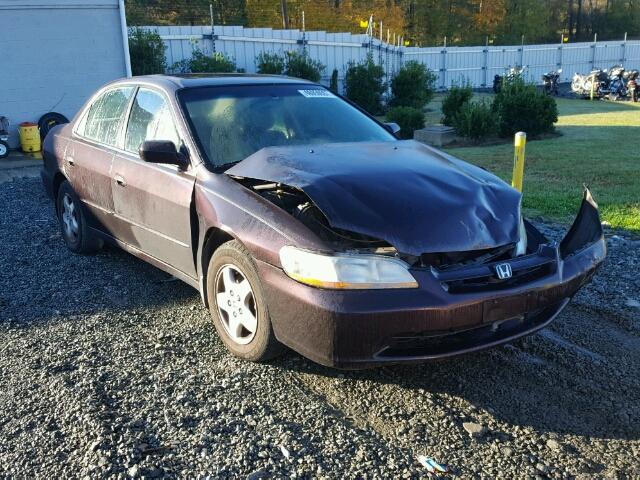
(392, 127)
(162, 151)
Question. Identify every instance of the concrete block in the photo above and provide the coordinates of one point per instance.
(436, 135)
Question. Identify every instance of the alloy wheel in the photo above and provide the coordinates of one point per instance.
(70, 218)
(236, 304)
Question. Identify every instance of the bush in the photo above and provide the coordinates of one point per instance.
(475, 120)
(364, 85)
(410, 119)
(412, 86)
(270, 63)
(521, 107)
(301, 66)
(333, 83)
(146, 50)
(200, 62)
(453, 102)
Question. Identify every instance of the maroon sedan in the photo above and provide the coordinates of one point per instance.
(304, 222)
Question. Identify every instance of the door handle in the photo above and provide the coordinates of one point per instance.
(70, 160)
(120, 180)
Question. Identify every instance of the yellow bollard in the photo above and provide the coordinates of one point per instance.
(518, 160)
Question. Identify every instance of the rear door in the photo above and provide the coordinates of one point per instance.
(88, 158)
(154, 200)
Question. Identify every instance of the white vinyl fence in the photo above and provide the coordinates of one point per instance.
(453, 65)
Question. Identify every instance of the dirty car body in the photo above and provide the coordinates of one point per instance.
(369, 250)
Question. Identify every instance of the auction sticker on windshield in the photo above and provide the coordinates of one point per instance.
(317, 93)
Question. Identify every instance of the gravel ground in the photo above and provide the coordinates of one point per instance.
(108, 368)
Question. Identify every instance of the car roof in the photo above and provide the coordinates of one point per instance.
(195, 80)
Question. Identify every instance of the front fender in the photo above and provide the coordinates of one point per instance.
(235, 212)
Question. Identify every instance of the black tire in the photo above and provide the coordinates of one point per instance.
(264, 345)
(82, 241)
(4, 149)
(48, 121)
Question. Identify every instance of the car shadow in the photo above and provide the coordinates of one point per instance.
(109, 281)
(545, 382)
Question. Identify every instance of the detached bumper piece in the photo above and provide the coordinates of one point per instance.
(455, 310)
(586, 229)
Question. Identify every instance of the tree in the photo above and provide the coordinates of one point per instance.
(423, 22)
(364, 84)
(413, 85)
(146, 50)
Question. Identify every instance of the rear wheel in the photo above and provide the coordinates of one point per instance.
(238, 306)
(73, 225)
(4, 149)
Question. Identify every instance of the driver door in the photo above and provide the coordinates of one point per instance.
(153, 201)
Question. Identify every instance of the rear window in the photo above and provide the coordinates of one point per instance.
(104, 117)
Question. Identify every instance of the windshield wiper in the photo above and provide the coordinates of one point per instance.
(225, 166)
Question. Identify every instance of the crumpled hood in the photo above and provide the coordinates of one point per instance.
(416, 198)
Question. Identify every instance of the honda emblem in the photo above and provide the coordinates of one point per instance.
(503, 270)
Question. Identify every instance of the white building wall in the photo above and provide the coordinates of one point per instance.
(54, 54)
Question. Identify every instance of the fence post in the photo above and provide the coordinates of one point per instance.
(624, 49)
(443, 65)
(485, 61)
(213, 32)
(380, 45)
(522, 54)
(303, 41)
(559, 62)
(386, 59)
(593, 54)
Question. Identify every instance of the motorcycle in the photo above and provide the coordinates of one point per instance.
(631, 78)
(597, 82)
(550, 82)
(617, 85)
(509, 76)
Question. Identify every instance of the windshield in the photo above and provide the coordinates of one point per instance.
(233, 122)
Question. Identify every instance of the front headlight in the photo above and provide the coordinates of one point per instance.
(345, 271)
(521, 246)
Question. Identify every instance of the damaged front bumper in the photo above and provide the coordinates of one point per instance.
(452, 312)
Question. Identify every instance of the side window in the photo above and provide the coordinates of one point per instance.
(104, 117)
(150, 119)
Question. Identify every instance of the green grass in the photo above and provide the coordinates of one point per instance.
(599, 146)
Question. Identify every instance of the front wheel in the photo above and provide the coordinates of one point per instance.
(4, 149)
(238, 306)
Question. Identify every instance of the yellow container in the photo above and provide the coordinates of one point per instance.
(29, 137)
